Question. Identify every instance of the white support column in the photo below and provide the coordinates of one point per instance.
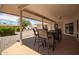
(21, 25)
(0, 52)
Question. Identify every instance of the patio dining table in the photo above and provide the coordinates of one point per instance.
(51, 33)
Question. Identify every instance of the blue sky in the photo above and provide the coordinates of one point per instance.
(34, 21)
(14, 19)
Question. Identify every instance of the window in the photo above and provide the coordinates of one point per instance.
(69, 28)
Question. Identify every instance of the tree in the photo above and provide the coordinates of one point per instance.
(25, 23)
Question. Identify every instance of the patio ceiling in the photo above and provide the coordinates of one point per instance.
(51, 11)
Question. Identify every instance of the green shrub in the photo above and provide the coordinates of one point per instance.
(4, 30)
(17, 29)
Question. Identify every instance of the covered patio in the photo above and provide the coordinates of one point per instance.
(46, 13)
(68, 46)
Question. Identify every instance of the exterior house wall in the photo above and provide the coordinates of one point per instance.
(66, 21)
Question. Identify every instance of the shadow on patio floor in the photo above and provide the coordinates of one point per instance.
(68, 46)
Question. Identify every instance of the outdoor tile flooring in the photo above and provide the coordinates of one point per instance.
(68, 46)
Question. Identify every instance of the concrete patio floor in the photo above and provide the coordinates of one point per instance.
(18, 49)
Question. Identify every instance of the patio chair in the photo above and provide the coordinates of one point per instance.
(35, 34)
(45, 39)
(58, 35)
